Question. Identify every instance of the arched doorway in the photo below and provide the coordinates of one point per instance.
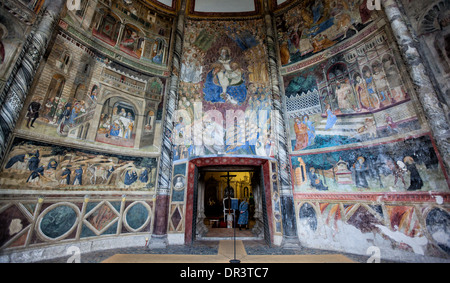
(201, 186)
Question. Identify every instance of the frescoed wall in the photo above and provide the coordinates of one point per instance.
(117, 107)
(400, 166)
(313, 26)
(365, 168)
(79, 93)
(41, 166)
(225, 82)
(383, 229)
(355, 96)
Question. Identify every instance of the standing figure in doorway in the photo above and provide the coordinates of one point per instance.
(243, 214)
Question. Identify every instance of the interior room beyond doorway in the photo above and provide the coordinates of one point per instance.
(221, 214)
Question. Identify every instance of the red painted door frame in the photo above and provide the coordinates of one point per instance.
(224, 161)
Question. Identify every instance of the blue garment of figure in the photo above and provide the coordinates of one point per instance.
(157, 59)
(66, 175)
(78, 176)
(369, 87)
(35, 174)
(213, 91)
(130, 178)
(144, 176)
(316, 182)
(14, 160)
(73, 115)
(243, 216)
(311, 132)
(115, 130)
(331, 120)
(315, 30)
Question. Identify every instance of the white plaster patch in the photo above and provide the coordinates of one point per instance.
(442, 238)
(416, 243)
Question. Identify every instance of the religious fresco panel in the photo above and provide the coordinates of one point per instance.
(41, 166)
(316, 25)
(406, 165)
(355, 96)
(224, 71)
(81, 96)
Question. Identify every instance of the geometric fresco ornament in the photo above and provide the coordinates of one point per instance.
(14, 219)
(176, 218)
(101, 217)
(137, 216)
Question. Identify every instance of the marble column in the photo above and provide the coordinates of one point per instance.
(19, 83)
(431, 105)
(286, 195)
(165, 161)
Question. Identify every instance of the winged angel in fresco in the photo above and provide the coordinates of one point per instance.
(225, 82)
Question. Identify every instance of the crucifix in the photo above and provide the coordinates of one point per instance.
(228, 190)
(228, 194)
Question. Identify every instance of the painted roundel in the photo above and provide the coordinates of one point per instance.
(58, 221)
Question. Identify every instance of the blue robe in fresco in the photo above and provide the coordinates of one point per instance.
(130, 177)
(243, 216)
(331, 120)
(213, 91)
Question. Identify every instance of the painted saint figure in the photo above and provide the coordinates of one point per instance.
(225, 82)
(360, 173)
(130, 177)
(331, 118)
(301, 134)
(65, 177)
(315, 181)
(415, 181)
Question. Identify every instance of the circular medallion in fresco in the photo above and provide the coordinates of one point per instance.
(137, 215)
(58, 220)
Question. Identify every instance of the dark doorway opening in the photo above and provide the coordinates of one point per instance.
(213, 214)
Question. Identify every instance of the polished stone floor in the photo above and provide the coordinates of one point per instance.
(209, 249)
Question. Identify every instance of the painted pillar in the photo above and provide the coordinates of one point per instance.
(434, 112)
(18, 84)
(286, 194)
(166, 159)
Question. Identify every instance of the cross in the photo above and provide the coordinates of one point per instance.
(229, 177)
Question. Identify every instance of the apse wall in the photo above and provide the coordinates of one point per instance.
(366, 173)
(135, 98)
(82, 172)
(224, 114)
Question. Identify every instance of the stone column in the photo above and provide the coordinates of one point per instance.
(19, 83)
(165, 161)
(434, 112)
(120, 35)
(286, 196)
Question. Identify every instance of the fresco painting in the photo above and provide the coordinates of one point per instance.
(355, 96)
(39, 166)
(224, 68)
(316, 25)
(401, 166)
